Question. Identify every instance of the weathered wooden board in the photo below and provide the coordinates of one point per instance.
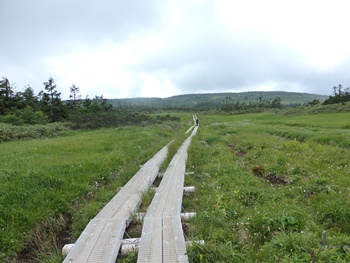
(163, 216)
(98, 241)
(101, 239)
(162, 235)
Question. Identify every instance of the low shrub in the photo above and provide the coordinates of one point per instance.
(10, 132)
(116, 118)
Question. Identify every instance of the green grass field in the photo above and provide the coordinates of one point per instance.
(267, 186)
(51, 187)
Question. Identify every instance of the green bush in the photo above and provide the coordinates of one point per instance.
(13, 119)
(25, 116)
(30, 116)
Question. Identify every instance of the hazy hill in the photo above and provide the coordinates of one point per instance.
(213, 100)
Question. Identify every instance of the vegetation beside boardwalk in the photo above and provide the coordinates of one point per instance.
(247, 216)
(51, 187)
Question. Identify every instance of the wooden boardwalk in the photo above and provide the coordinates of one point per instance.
(162, 238)
(101, 239)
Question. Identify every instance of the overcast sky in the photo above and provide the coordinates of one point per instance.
(161, 48)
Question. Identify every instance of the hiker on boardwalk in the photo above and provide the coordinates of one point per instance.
(197, 121)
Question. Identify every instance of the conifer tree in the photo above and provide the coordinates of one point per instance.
(51, 101)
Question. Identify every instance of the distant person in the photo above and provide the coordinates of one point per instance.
(197, 121)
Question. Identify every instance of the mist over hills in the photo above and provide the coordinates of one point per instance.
(214, 100)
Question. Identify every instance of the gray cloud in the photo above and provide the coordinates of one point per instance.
(35, 29)
(199, 51)
(225, 63)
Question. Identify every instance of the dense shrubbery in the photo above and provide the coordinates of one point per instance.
(115, 118)
(26, 115)
(106, 119)
(10, 132)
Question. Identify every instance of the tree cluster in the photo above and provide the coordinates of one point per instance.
(47, 106)
(25, 107)
(340, 95)
(230, 105)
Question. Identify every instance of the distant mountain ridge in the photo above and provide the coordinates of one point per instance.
(213, 100)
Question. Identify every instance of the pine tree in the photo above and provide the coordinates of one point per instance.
(6, 96)
(51, 101)
(75, 97)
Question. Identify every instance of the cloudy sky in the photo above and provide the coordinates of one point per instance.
(161, 48)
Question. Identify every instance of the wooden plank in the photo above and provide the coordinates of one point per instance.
(101, 239)
(88, 248)
(189, 129)
(166, 208)
(174, 245)
(137, 185)
(110, 238)
(151, 241)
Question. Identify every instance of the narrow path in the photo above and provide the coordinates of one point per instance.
(162, 238)
(101, 239)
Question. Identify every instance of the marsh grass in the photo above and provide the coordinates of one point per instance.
(51, 187)
(245, 218)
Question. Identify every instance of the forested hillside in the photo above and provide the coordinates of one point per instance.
(216, 100)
